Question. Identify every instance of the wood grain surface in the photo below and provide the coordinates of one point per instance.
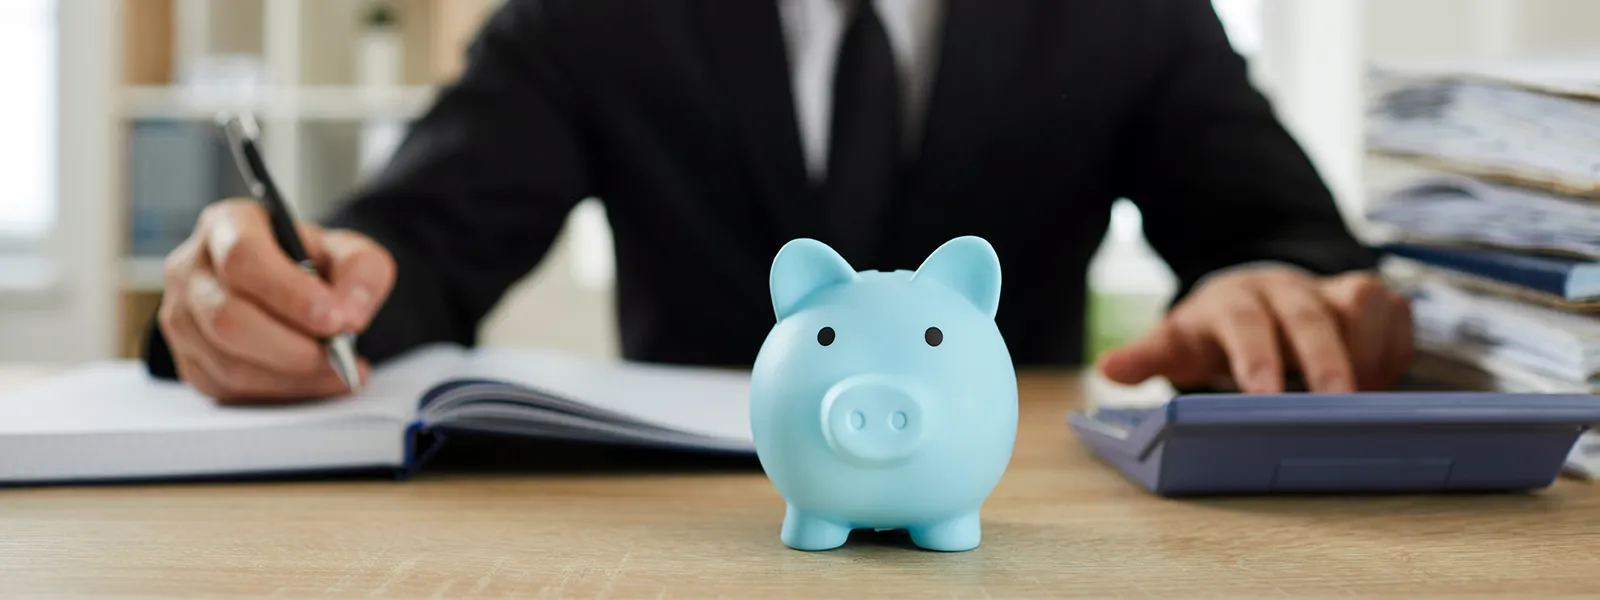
(561, 522)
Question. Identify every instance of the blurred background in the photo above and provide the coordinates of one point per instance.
(108, 153)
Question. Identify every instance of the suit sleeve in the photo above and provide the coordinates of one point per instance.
(478, 190)
(1219, 180)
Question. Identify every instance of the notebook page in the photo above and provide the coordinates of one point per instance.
(698, 401)
(119, 397)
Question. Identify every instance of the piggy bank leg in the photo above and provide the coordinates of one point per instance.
(803, 531)
(955, 535)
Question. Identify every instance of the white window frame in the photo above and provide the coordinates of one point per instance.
(69, 312)
(14, 244)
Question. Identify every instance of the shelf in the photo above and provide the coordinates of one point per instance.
(143, 274)
(302, 103)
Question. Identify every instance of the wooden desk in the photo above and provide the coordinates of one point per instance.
(1058, 526)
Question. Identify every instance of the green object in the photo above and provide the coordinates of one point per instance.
(1115, 319)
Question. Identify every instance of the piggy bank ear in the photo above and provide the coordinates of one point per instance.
(969, 266)
(802, 267)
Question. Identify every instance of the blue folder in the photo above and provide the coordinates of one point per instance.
(1402, 442)
(1565, 277)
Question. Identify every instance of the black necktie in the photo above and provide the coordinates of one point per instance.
(864, 147)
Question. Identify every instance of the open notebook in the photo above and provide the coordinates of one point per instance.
(111, 421)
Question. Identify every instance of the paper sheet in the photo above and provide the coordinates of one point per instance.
(1584, 460)
(1100, 392)
(1459, 208)
(1574, 74)
(121, 397)
(1534, 122)
(1556, 343)
(699, 401)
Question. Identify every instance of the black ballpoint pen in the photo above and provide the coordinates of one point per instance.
(242, 139)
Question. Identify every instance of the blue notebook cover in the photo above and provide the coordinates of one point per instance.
(1569, 278)
(1402, 442)
(461, 407)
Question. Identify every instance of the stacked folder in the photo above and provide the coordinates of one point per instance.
(1497, 235)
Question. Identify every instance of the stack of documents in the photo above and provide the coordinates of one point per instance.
(1447, 207)
(1524, 344)
(1497, 240)
(1533, 123)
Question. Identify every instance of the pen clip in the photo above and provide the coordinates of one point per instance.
(241, 131)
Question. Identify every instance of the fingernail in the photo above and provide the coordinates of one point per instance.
(1337, 384)
(204, 292)
(1261, 380)
(360, 300)
(322, 314)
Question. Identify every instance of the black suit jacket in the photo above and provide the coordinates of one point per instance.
(678, 115)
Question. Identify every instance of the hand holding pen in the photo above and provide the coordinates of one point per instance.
(259, 307)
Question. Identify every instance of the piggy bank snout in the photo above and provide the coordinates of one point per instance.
(874, 420)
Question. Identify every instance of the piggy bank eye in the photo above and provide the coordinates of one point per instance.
(825, 336)
(933, 336)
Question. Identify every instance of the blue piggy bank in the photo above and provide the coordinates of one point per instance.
(884, 400)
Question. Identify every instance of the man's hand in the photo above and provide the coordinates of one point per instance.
(1340, 334)
(243, 321)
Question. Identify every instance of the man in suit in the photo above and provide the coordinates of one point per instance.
(714, 131)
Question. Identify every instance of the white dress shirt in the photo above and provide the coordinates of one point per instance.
(813, 30)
